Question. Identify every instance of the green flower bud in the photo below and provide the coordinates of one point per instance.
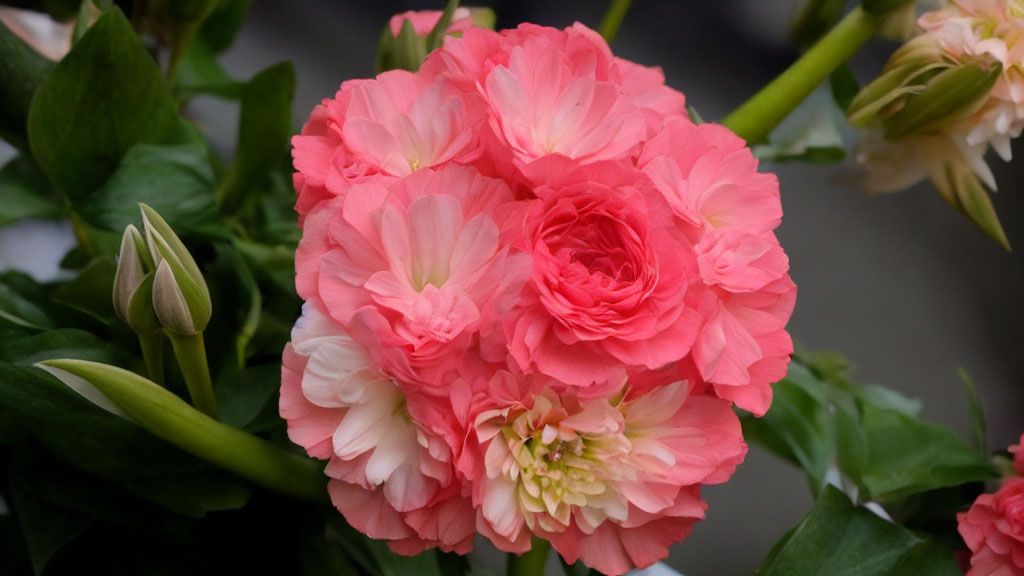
(949, 97)
(181, 299)
(133, 284)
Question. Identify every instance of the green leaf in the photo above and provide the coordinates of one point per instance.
(837, 539)
(20, 304)
(109, 447)
(90, 292)
(222, 25)
(13, 554)
(883, 397)
(263, 133)
(25, 193)
(176, 181)
(201, 73)
(24, 70)
(979, 430)
(104, 97)
(907, 456)
(247, 399)
(798, 426)
(844, 87)
(47, 528)
(63, 343)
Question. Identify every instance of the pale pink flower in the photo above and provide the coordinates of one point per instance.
(423, 21)
(987, 31)
(610, 480)
(390, 477)
(728, 211)
(417, 271)
(614, 284)
(402, 121)
(993, 529)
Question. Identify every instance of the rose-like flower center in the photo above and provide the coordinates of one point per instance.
(597, 264)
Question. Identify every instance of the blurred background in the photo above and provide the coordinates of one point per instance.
(902, 285)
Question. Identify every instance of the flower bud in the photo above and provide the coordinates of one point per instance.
(133, 284)
(410, 36)
(181, 299)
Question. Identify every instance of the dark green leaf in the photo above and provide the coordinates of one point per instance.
(91, 291)
(23, 71)
(14, 558)
(201, 73)
(59, 10)
(25, 193)
(47, 528)
(247, 399)
(222, 25)
(798, 426)
(883, 397)
(844, 87)
(104, 97)
(63, 343)
(20, 303)
(577, 569)
(108, 447)
(176, 181)
(837, 539)
(907, 456)
(263, 133)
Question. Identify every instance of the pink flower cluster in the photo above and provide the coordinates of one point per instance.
(993, 528)
(534, 291)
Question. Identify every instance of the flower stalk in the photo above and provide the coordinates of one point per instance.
(530, 562)
(168, 417)
(759, 115)
(612, 20)
(191, 354)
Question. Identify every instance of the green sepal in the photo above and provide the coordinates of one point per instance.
(950, 96)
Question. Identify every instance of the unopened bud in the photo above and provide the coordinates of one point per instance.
(181, 299)
(410, 36)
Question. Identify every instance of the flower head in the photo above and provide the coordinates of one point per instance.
(598, 476)
(994, 531)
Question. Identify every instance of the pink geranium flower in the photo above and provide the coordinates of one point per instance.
(994, 531)
(392, 479)
(418, 270)
(611, 480)
(728, 210)
(613, 281)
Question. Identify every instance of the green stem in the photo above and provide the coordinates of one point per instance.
(612, 20)
(153, 354)
(531, 562)
(183, 37)
(168, 417)
(756, 118)
(191, 354)
(81, 231)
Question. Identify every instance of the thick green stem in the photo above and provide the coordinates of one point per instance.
(169, 417)
(191, 354)
(530, 563)
(756, 118)
(612, 20)
(153, 354)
